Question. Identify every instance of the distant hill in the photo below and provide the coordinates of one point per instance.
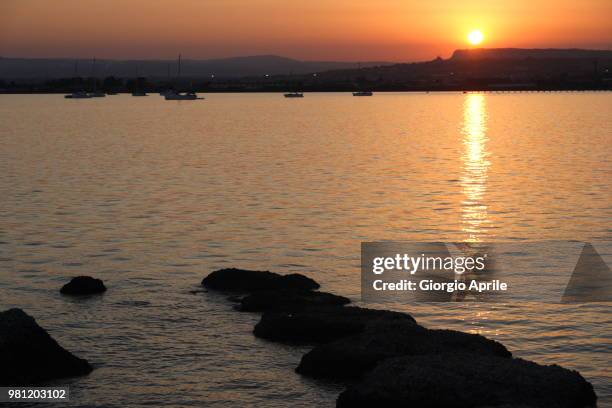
(472, 69)
(522, 53)
(488, 69)
(50, 68)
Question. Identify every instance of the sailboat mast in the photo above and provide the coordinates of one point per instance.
(93, 74)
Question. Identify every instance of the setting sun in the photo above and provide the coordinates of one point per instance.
(475, 37)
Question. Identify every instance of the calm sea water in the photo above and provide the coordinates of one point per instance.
(151, 196)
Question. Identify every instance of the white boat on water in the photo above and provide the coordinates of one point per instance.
(177, 96)
(294, 95)
(78, 95)
(172, 95)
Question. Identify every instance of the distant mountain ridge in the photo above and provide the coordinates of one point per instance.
(486, 68)
(469, 69)
(520, 53)
(259, 65)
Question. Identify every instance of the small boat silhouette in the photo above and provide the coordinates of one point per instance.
(294, 95)
(78, 95)
(95, 93)
(177, 96)
(172, 95)
(138, 92)
(363, 93)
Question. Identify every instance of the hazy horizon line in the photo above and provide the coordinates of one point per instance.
(237, 56)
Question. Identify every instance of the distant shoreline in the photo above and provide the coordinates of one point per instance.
(479, 69)
(333, 90)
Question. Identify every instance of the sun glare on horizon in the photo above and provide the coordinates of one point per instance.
(475, 37)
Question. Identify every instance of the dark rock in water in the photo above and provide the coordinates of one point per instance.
(289, 300)
(353, 356)
(242, 280)
(325, 324)
(468, 381)
(28, 355)
(83, 285)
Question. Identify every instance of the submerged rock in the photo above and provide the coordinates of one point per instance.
(28, 355)
(316, 325)
(289, 300)
(466, 381)
(83, 285)
(242, 280)
(353, 356)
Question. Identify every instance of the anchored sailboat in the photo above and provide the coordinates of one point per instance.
(361, 91)
(295, 93)
(95, 93)
(77, 94)
(138, 91)
(172, 95)
(177, 96)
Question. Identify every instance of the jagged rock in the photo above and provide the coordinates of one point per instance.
(468, 381)
(289, 300)
(353, 356)
(242, 280)
(28, 355)
(83, 285)
(324, 324)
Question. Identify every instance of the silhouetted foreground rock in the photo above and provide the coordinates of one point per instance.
(325, 324)
(242, 280)
(466, 381)
(351, 357)
(289, 300)
(83, 285)
(398, 363)
(28, 355)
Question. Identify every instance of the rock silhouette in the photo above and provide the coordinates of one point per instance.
(353, 356)
(28, 355)
(242, 280)
(325, 324)
(289, 300)
(83, 285)
(468, 381)
(395, 361)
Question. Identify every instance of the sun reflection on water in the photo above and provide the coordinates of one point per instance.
(475, 165)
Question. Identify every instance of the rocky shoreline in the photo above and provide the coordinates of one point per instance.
(384, 358)
(387, 359)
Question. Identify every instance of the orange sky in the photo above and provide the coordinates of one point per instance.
(310, 29)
